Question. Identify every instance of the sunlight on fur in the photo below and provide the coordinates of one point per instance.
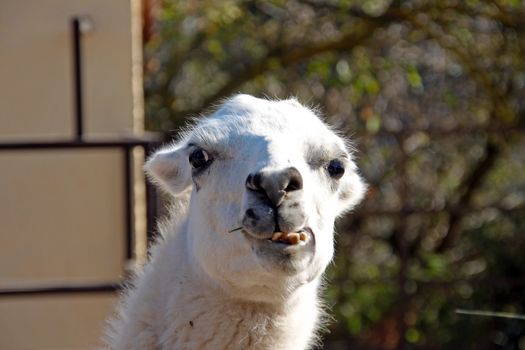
(256, 189)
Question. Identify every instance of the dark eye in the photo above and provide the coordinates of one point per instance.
(199, 159)
(335, 169)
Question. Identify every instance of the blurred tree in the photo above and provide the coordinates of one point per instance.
(433, 92)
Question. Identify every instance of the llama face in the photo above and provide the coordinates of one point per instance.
(267, 181)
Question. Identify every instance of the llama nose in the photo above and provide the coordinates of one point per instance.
(275, 185)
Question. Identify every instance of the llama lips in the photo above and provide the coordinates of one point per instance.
(291, 238)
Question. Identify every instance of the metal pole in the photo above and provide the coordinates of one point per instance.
(77, 79)
(128, 202)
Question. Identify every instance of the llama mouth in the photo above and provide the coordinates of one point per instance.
(301, 237)
(284, 241)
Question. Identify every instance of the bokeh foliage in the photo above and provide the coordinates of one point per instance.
(433, 93)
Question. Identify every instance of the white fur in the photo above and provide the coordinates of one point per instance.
(205, 288)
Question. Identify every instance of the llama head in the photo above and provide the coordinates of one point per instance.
(255, 168)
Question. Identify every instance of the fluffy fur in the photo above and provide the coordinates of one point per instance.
(208, 288)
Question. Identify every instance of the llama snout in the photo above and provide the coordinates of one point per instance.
(275, 202)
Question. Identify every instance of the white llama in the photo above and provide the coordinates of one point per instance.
(257, 187)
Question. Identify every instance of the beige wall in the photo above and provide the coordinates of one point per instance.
(35, 68)
(54, 322)
(62, 211)
(66, 223)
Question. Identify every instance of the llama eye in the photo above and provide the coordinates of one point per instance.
(335, 169)
(199, 159)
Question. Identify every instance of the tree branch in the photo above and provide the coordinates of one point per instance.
(288, 56)
(472, 183)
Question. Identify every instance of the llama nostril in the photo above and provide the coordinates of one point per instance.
(248, 182)
(293, 185)
(294, 178)
(253, 182)
(276, 184)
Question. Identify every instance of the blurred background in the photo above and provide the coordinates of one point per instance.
(431, 92)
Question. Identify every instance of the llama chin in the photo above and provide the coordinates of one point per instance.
(258, 186)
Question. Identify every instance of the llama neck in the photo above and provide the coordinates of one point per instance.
(204, 316)
(208, 319)
(193, 311)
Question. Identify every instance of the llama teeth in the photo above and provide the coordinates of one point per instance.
(303, 237)
(294, 238)
(291, 238)
(277, 235)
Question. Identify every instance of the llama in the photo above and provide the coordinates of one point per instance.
(257, 187)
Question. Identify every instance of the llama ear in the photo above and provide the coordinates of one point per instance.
(351, 191)
(169, 168)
